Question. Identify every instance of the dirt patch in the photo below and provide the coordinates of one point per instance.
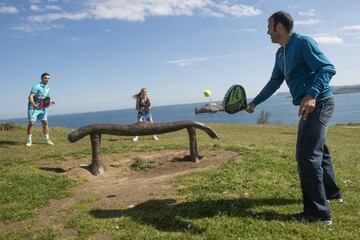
(121, 187)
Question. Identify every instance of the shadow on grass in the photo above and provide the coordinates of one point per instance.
(86, 167)
(288, 133)
(166, 215)
(40, 143)
(53, 169)
(186, 158)
(112, 140)
(5, 143)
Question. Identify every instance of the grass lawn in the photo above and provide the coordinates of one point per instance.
(251, 197)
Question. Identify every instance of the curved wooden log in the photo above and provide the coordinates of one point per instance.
(96, 167)
(137, 129)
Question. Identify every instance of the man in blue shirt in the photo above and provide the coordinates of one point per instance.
(307, 72)
(38, 92)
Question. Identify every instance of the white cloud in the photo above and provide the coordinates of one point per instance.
(74, 39)
(329, 39)
(210, 13)
(351, 34)
(11, 10)
(248, 30)
(309, 13)
(53, 7)
(108, 30)
(139, 10)
(237, 10)
(188, 61)
(193, 60)
(36, 8)
(30, 27)
(57, 16)
(310, 21)
(353, 27)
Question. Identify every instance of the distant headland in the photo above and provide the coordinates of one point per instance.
(345, 89)
(335, 89)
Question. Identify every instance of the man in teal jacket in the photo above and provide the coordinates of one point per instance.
(38, 91)
(307, 72)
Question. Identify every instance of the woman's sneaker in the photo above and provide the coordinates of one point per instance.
(155, 137)
(136, 138)
(49, 142)
(28, 143)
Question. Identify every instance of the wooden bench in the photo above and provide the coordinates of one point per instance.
(138, 129)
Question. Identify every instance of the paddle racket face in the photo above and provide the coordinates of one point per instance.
(235, 99)
(45, 102)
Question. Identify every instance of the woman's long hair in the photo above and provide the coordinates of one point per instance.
(136, 96)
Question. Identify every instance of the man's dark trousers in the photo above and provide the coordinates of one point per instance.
(315, 168)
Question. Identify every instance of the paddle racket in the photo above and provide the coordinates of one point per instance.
(45, 102)
(235, 99)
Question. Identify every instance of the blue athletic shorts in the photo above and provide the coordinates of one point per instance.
(37, 114)
(144, 116)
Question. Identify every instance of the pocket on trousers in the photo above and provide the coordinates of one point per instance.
(327, 110)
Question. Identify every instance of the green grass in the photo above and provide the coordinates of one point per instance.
(24, 191)
(141, 164)
(30, 233)
(254, 196)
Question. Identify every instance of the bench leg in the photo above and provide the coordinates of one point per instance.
(193, 144)
(96, 167)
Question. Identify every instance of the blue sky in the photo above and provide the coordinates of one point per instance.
(101, 52)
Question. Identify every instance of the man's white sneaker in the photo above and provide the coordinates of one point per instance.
(338, 200)
(303, 218)
(155, 137)
(326, 222)
(136, 138)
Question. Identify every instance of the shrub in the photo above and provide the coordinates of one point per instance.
(264, 118)
(141, 164)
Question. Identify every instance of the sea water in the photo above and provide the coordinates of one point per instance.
(280, 108)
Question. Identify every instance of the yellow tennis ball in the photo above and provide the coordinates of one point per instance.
(207, 93)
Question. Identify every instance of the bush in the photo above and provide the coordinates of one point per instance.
(8, 126)
(141, 164)
(264, 118)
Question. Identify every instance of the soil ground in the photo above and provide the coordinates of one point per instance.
(120, 187)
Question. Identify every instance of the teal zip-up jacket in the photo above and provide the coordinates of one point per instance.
(305, 68)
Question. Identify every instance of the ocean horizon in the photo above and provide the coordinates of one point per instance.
(280, 108)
